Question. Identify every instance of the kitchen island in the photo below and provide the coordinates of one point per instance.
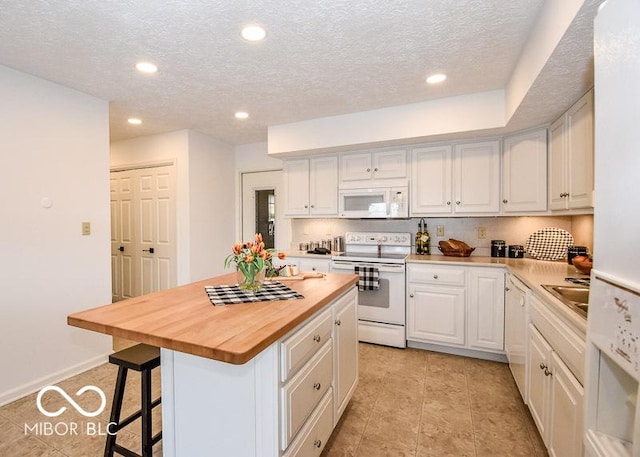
(253, 379)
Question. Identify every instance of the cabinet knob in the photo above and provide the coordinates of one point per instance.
(313, 206)
(448, 203)
(507, 289)
(543, 366)
(317, 386)
(306, 206)
(317, 443)
(435, 276)
(316, 338)
(313, 268)
(375, 169)
(368, 169)
(338, 322)
(547, 372)
(505, 201)
(458, 202)
(411, 295)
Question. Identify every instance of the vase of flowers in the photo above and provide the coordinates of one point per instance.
(253, 262)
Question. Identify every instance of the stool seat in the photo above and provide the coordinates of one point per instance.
(142, 358)
(139, 357)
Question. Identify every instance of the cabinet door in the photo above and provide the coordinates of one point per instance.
(486, 308)
(580, 153)
(515, 335)
(346, 352)
(557, 165)
(390, 164)
(566, 420)
(355, 166)
(539, 382)
(476, 177)
(320, 265)
(524, 172)
(296, 187)
(436, 314)
(323, 186)
(431, 180)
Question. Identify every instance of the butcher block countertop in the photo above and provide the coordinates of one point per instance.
(183, 319)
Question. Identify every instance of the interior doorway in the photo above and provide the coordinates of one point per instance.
(262, 209)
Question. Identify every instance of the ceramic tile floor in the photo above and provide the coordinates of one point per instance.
(426, 404)
(408, 403)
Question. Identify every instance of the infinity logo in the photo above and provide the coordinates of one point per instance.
(103, 403)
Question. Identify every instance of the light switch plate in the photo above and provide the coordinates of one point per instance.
(440, 230)
(86, 228)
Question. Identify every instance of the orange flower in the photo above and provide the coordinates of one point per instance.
(263, 254)
(237, 248)
(258, 238)
(282, 255)
(249, 259)
(249, 244)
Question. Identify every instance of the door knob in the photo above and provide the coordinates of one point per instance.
(150, 250)
(121, 249)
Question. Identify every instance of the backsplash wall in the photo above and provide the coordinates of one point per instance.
(514, 230)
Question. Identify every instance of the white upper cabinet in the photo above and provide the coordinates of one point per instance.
(431, 169)
(476, 177)
(364, 167)
(311, 186)
(571, 157)
(459, 179)
(524, 172)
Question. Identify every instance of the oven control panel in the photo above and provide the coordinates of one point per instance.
(382, 238)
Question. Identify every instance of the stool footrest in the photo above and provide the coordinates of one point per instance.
(124, 422)
(124, 451)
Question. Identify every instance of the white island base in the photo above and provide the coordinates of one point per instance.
(286, 401)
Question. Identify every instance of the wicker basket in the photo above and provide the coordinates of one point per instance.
(455, 248)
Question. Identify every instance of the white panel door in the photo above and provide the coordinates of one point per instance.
(539, 381)
(580, 153)
(355, 166)
(123, 247)
(558, 165)
(323, 186)
(346, 351)
(476, 176)
(143, 231)
(390, 164)
(436, 314)
(486, 308)
(156, 229)
(296, 187)
(431, 180)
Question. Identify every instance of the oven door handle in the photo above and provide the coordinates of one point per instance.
(383, 267)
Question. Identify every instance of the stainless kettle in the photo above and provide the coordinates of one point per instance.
(338, 244)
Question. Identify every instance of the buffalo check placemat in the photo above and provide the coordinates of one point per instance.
(231, 295)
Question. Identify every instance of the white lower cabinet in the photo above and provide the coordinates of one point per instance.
(555, 398)
(320, 265)
(319, 374)
(456, 306)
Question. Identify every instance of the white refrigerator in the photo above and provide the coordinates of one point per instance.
(612, 419)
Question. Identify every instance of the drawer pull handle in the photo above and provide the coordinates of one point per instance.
(316, 338)
(543, 366)
(338, 322)
(435, 276)
(317, 386)
(317, 443)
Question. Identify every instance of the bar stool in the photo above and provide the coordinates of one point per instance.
(142, 358)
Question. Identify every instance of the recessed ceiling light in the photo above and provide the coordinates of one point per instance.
(241, 115)
(253, 33)
(134, 121)
(436, 78)
(146, 67)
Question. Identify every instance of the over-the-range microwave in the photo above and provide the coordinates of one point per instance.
(376, 202)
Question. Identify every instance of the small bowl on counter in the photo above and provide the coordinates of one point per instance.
(583, 264)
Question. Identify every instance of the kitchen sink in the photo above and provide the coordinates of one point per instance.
(575, 297)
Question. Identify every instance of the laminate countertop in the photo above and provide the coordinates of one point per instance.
(183, 319)
(533, 273)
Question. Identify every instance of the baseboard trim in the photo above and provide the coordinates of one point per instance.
(27, 389)
(496, 357)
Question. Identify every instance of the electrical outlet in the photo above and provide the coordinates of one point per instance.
(305, 230)
(440, 230)
(86, 228)
(482, 233)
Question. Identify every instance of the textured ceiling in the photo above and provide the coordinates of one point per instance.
(320, 58)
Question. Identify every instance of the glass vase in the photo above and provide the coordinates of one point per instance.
(250, 280)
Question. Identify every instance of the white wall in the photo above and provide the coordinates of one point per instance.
(211, 204)
(205, 202)
(54, 143)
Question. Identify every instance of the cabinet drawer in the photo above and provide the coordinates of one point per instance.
(301, 346)
(302, 394)
(432, 274)
(315, 433)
